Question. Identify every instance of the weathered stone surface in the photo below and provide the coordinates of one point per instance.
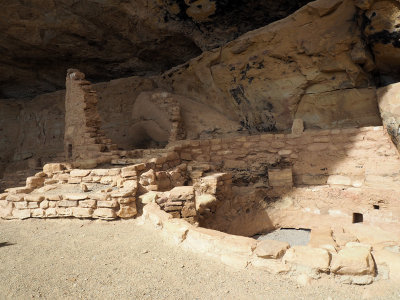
(82, 212)
(210, 241)
(37, 213)
(111, 203)
(271, 249)
(34, 198)
(271, 266)
(75, 196)
(155, 215)
(280, 177)
(176, 229)
(67, 203)
(353, 261)
(21, 213)
(79, 173)
(87, 203)
(15, 197)
(322, 238)
(388, 261)
(34, 182)
(150, 197)
(314, 259)
(127, 210)
(105, 213)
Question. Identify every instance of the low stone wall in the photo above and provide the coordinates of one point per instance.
(350, 261)
(61, 191)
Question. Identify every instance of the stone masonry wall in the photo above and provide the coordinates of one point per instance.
(83, 138)
(350, 157)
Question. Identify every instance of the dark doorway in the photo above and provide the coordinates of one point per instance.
(358, 218)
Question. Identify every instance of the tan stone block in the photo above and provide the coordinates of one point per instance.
(18, 190)
(390, 261)
(280, 177)
(44, 204)
(107, 180)
(105, 172)
(67, 203)
(315, 259)
(271, 266)
(149, 197)
(15, 197)
(51, 212)
(320, 238)
(6, 209)
(32, 204)
(100, 196)
(76, 196)
(109, 204)
(206, 240)
(40, 174)
(87, 203)
(21, 205)
(126, 200)
(353, 261)
(79, 173)
(181, 193)
(34, 182)
(129, 189)
(176, 229)
(105, 213)
(297, 126)
(155, 215)
(74, 180)
(37, 213)
(271, 249)
(127, 210)
(132, 171)
(52, 168)
(53, 197)
(21, 213)
(63, 211)
(339, 180)
(3, 196)
(82, 212)
(34, 198)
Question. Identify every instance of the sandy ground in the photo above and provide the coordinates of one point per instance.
(76, 259)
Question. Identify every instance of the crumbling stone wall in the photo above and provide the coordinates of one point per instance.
(83, 139)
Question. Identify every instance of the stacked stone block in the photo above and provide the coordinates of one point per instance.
(84, 141)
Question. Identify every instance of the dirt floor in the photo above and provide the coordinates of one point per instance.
(76, 259)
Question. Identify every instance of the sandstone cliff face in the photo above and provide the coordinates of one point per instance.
(109, 39)
(380, 25)
(312, 65)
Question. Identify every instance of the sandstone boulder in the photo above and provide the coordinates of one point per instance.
(271, 249)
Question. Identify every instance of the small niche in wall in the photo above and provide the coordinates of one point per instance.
(376, 207)
(358, 218)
